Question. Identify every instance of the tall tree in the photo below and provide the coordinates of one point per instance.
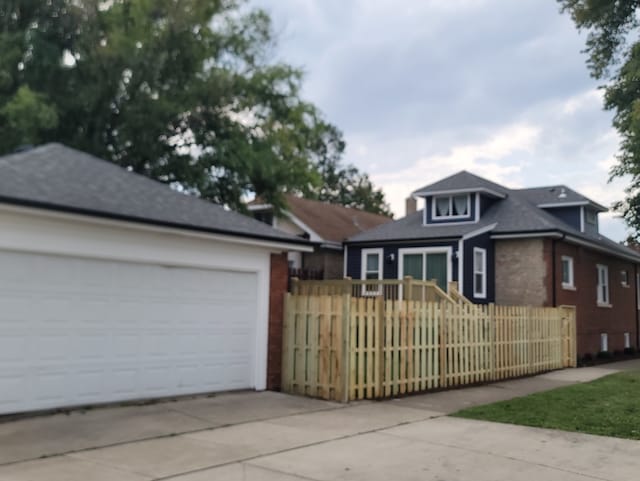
(614, 57)
(183, 91)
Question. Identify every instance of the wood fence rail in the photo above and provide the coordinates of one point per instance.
(340, 347)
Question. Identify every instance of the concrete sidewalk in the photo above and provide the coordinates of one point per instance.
(265, 436)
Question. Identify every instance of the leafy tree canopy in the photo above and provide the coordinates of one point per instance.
(614, 57)
(183, 91)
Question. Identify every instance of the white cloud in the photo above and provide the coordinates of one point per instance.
(483, 158)
(425, 88)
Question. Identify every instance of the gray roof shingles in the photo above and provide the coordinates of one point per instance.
(517, 213)
(57, 177)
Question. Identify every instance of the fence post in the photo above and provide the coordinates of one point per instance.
(408, 286)
(492, 341)
(380, 308)
(530, 337)
(295, 286)
(288, 342)
(346, 344)
(443, 344)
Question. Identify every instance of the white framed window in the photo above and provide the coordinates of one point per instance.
(451, 206)
(371, 269)
(627, 340)
(479, 272)
(604, 342)
(624, 278)
(603, 285)
(567, 273)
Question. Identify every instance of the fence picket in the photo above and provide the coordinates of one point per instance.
(341, 347)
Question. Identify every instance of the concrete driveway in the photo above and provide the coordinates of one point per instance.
(271, 436)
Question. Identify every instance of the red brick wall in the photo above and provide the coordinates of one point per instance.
(593, 320)
(278, 287)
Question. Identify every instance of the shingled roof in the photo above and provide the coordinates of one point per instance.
(57, 177)
(333, 222)
(516, 213)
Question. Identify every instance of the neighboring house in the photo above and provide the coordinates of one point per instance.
(326, 225)
(537, 246)
(115, 287)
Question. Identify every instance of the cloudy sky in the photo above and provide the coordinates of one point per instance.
(425, 88)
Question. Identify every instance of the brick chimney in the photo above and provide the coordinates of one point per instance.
(411, 205)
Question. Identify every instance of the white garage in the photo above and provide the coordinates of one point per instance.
(97, 309)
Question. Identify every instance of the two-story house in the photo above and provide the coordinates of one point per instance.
(538, 246)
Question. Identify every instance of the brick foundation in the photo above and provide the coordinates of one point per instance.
(278, 283)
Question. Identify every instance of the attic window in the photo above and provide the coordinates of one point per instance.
(451, 206)
(590, 217)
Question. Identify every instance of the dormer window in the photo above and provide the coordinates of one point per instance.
(451, 206)
(590, 217)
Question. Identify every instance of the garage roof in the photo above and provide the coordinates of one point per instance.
(57, 177)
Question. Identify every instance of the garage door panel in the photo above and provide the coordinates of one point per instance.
(80, 331)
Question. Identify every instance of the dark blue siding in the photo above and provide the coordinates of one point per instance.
(590, 228)
(570, 215)
(482, 241)
(486, 203)
(431, 220)
(390, 267)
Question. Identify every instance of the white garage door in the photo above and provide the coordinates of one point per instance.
(76, 331)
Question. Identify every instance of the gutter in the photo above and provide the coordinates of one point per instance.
(302, 243)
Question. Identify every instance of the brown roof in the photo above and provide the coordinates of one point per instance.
(333, 222)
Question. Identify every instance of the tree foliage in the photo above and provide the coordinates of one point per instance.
(614, 57)
(183, 91)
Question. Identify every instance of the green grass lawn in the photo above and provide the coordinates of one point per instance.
(609, 406)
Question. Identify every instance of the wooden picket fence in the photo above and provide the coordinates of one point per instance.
(344, 348)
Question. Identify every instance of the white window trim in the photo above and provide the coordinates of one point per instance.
(363, 269)
(424, 250)
(483, 293)
(434, 211)
(571, 286)
(600, 301)
(624, 283)
(604, 342)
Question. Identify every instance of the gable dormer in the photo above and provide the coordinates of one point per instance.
(462, 197)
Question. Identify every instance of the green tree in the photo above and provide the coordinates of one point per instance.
(183, 91)
(614, 57)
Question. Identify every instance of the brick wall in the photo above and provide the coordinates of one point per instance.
(592, 320)
(278, 287)
(521, 274)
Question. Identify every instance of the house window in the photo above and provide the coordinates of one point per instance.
(567, 272)
(604, 342)
(451, 207)
(590, 217)
(371, 269)
(638, 291)
(479, 272)
(627, 340)
(624, 278)
(603, 285)
(426, 264)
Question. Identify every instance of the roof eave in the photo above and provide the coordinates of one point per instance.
(153, 222)
(430, 193)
